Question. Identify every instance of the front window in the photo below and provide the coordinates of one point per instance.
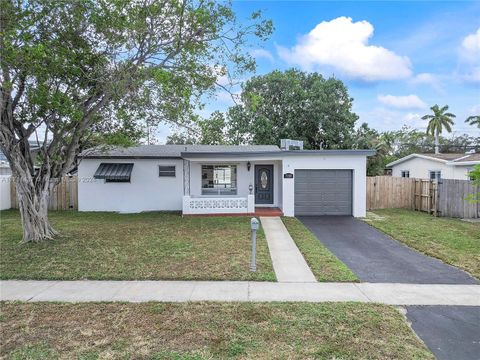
(219, 179)
(435, 175)
(405, 173)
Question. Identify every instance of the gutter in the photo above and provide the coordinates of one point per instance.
(280, 153)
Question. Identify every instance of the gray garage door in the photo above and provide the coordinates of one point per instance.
(323, 192)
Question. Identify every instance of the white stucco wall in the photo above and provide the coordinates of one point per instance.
(146, 191)
(420, 168)
(149, 192)
(357, 163)
(5, 202)
(244, 177)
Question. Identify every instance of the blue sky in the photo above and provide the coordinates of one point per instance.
(397, 58)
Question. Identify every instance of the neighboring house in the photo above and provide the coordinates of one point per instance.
(209, 179)
(435, 166)
(5, 165)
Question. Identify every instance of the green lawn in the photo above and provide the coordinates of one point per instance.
(206, 331)
(134, 247)
(325, 266)
(454, 241)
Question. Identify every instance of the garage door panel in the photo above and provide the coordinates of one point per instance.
(323, 192)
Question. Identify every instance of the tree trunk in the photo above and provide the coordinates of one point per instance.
(437, 142)
(33, 205)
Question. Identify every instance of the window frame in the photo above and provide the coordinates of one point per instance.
(405, 172)
(210, 191)
(167, 173)
(438, 175)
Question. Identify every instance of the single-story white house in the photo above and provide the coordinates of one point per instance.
(217, 179)
(435, 166)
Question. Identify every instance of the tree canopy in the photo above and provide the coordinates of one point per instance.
(69, 68)
(294, 104)
(289, 104)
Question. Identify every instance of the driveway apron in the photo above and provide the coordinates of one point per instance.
(376, 257)
(450, 332)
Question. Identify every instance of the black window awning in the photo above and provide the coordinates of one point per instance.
(114, 171)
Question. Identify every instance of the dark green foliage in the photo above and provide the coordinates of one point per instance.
(294, 104)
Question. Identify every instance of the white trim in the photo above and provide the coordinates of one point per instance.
(217, 205)
(462, 163)
(405, 158)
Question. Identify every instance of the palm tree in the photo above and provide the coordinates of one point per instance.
(474, 120)
(439, 120)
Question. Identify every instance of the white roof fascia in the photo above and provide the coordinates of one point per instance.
(411, 156)
(463, 163)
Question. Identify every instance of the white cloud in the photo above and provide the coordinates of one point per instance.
(414, 120)
(474, 110)
(470, 58)
(424, 78)
(385, 119)
(470, 48)
(228, 98)
(402, 102)
(262, 53)
(428, 79)
(342, 45)
(472, 75)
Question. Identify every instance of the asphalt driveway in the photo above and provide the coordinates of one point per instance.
(375, 257)
(450, 332)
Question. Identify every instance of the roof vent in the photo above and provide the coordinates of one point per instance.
(470, 152)
(288, 144)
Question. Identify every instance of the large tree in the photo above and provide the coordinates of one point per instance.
(437, 122)
(69, 67)
(293, 104)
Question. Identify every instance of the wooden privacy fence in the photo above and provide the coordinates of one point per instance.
(387, 192)
(425, 196)
(451, 195)
(64, 196)
(445, 198)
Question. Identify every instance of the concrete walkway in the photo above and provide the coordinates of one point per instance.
(243, 291)
(287, 260)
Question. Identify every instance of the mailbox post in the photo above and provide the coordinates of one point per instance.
(254, 225)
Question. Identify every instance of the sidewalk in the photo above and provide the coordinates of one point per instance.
(287, 260)
(243, 291)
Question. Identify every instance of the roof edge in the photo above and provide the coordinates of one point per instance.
(196, 154)
(462, 163)
(127, 157)
(408, 157)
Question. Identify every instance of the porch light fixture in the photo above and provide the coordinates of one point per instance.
(249, 166)
(250, 188)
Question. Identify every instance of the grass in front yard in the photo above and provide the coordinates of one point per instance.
(141, 246)
(324, 265)
(453, 241)
(207, 330)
